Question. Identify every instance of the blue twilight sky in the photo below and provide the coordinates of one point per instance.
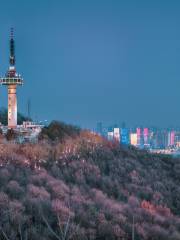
(85, 61)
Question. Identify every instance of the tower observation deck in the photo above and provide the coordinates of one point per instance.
(12, 79)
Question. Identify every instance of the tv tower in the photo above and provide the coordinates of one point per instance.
(12, 79)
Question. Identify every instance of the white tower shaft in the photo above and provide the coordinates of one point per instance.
(12, 106)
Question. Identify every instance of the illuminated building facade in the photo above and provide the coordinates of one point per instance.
(146, 137)
(139, 137)
(171, 138)
(110, 135)
(117, 134)
(124, 136)
(133, 139)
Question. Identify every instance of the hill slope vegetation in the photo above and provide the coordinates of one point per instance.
(86, 188)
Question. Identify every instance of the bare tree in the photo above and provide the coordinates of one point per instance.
(66, 229)
(4, 234)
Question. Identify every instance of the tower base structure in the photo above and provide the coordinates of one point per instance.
(12, 106)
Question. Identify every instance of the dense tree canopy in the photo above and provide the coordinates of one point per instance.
(87, 188)
(58, 131)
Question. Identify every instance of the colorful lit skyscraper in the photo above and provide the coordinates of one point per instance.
(139, 137)
(124, 136)
(117, 134)
(133, 139)
(171, 138)
(146, 137)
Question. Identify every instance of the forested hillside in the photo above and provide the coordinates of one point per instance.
(86, 188)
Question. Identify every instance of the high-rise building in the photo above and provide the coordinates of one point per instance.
(139, 137)
(110, 135)
(99, 128)
(146, 137)
(12, 79)
(171, 138)
(124, 136)
(162, 139)
(133, 139)
(117, 134)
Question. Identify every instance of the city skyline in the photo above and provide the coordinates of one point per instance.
(121, 63)
(166, 140)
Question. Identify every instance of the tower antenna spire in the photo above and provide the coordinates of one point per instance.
(12, 48)
(12, 33)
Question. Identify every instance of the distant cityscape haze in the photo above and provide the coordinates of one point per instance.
(90, 61)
